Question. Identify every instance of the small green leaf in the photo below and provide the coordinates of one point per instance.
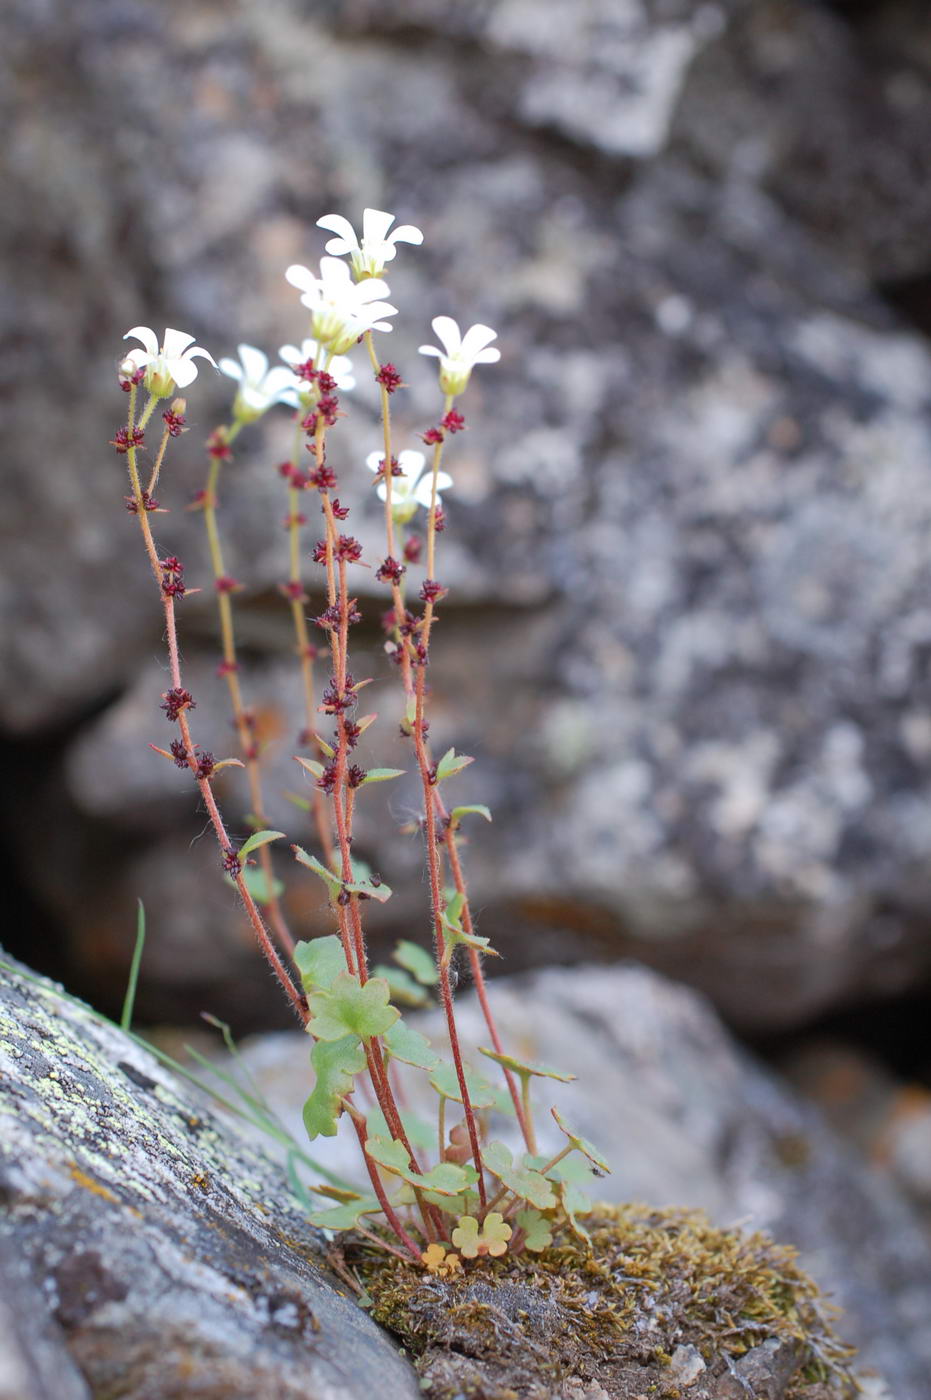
(446, 1082)
(478, 807)
(311, 765)
(526, 1183)
(372, 887)
(381, 775)
(450, 764)
(404, 990)
(335, 1063)
(319, 961)
(345, 1217)
(526, 1068)
(492, 1238)
(257, 839)
(347, 1007)
(257, 885)
(411, 1047)
(582, 1144)
(297, 800)
(417, 961)
(447, 1179)
(333, 883)
(328, 749)
(536, 1228)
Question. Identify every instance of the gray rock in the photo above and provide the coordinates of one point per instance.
(685, 1117)
(170, 1255)
(688, 628)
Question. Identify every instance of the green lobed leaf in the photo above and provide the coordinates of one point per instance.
(404, 990)
(411, 1047)
(526, 1068)
(417, 961)
(526, 1183)
(333, 883)
(450, 764)
(257, 839)
(335, 1063)
(319, 961)
(347, 1007)
(382, 775)
(581, 1144)
(536, 1228)
(345, 1217)
(447, 1179)
(446, 1082)
(478, 807)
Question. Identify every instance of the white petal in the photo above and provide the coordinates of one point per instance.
(336, 223)
(487, 357)
(335, 276)
(183, 372)
(423, 493)
(290, 354)
(204, 355)
(411, 461)
(370, 289)
(138, 359)
(277, 381)
(254, 363)
(374, 460)
(448, 332)
(300, 277)
(407, 233)
(175, 343)
(475, 340)
(148, 338)
(231, 367)
(375, 225)
(430, 350)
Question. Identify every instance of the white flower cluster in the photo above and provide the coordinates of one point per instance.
(345, 301)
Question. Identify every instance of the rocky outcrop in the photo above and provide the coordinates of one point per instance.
(685, 1117)
(165, 1254)
(688, 631)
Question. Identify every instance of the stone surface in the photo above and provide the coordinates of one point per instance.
(685, 1117)
(688, 632)
(169, 1255)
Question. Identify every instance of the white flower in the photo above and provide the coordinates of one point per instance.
(342, 309)
(377, 247)
(460, 352)
(259, 386)
(167, 367)
(412, 488)
(338, 366)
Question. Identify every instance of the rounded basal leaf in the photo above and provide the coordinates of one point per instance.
(446, 1082)
(345, 1217)
(446, 1179)
(417, 961)
(257, 839)
(320, 961)
(410, 1046)
(526, 1067)
(404, 990)
(526, 1183)
(582, 1144)
(490, 1238)
(348, 1008)
(335, 1063)
(536, 1228)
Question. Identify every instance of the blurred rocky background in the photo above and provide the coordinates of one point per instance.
(690, 622)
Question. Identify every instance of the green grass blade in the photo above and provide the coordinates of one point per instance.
(129, 1001)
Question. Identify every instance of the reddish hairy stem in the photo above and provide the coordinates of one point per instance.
(358, 1122)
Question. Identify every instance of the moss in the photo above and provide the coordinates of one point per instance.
(654, 1281)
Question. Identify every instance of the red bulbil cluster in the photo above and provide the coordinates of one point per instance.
(324, 478)
(176, 700)
(391, 571)
(432, 591)
(205, 765)
(130, 381)
(413, 548)
(327, 780)
(453, 422)
(226, 584)
(352, 732)
(294, 591)
(355, 776)
(174, 422)
(124, 439)
(148, 503)
(439, 520)
(172, 580)
(179, 753)
(231, 862)
(218, 446)
(306, 371)
(388, 377)
(348, 549)
(433, 436)
(227, 668)
(336, 701)
(338, 510)
(395, 469)
(294, 519)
